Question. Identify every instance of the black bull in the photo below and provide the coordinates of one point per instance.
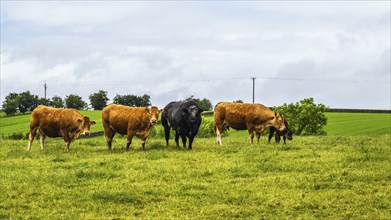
(184, 118)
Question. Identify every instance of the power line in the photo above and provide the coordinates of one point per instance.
(184, 80)
(322, 80)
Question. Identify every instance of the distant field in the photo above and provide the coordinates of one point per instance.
(358, 123)
(338, 124)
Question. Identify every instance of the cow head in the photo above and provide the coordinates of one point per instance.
(84, 125)
(288, 135)
(153, 114)
(192, 113)
(278, 121)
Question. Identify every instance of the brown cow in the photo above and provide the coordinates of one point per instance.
(58, 122)
(133, 121)
(242, 116)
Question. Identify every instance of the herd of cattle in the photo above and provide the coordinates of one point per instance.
(183, 117)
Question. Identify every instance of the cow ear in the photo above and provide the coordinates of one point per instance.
(147, 109)
(161, 110)
(275, 114)
(93, 122)
(201, 110)
(79, 121)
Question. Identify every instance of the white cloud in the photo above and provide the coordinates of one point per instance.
(65, 13)
(167, 49)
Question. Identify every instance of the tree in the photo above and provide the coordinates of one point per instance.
(98, 100)
(305, 117)
(43, 101)
(10, 105)
(238, 101)
(75, 101)
(204, 103)
(57, 102)
(133, 100)
(27, 101)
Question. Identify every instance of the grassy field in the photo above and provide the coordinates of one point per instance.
(308, 178)
(358, 123)
(343, 175)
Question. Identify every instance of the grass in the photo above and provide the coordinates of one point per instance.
(358, 123)
(333, 177)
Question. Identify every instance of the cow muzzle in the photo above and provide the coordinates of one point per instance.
(153, 121)
(86, 133)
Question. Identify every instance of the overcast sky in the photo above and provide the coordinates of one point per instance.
(336, 52)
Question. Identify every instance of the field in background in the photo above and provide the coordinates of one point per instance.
(358, 123)
(332, 177)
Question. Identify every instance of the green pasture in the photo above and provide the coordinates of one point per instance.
(358, 123)
(326, 177)
(343, 175)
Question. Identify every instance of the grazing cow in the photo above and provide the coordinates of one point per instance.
(286, 133)
(132, 121)
(58, 122)
(242, 116)
(184, 118)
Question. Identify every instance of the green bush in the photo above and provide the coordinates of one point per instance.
(16, 136)
(305, 117)
(205, 131)
(206, 128)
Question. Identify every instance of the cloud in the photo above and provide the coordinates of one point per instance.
(172, 50)
(57, 14)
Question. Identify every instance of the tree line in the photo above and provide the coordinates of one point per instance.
(26, 102)
(304, 117)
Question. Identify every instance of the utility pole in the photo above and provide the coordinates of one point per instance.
(253, 78)
(45, 86)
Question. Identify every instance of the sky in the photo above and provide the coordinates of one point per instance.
(337, 52)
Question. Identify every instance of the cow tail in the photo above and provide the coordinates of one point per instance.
(214, 126)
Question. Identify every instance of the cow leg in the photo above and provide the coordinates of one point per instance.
(218, 136)
(67, 146)
(130, 138)
(284, 139)
(258, 136)
(42, 139)
(177, 138)
(278, 139)
(271, 132)
(191, 138)
(183, 137)
(32, 134)
(217, 131)
(67, 140)
(251, 133)
(143, 143)
(109, 135)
